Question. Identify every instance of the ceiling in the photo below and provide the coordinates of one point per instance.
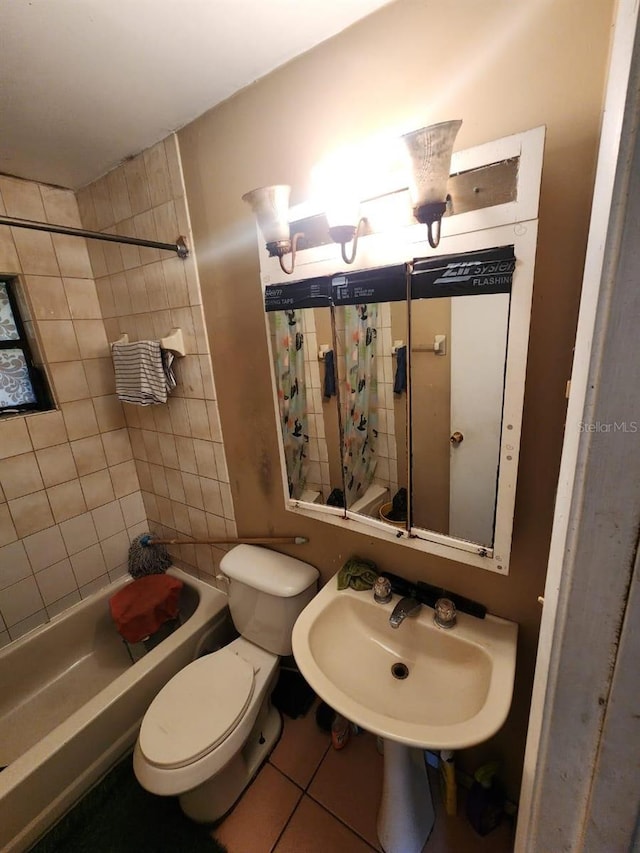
(87, 83)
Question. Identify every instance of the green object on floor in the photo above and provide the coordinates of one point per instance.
(357, 573)
(119, 816)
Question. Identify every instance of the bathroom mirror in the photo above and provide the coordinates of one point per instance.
(458, 316)
(458, 359)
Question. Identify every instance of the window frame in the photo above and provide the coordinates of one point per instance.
(39, 384)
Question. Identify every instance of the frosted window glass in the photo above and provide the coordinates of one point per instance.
(15, 385)
(8, 329)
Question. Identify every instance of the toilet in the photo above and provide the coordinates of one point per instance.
(212, 725)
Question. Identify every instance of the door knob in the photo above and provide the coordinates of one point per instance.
(456, 439)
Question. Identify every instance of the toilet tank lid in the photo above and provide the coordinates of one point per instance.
(268, 571)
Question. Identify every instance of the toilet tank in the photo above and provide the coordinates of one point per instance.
(267, 593)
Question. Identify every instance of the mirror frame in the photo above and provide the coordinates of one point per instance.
(511, 223)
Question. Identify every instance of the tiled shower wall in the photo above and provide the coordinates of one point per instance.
(69, 493)
(178, 449)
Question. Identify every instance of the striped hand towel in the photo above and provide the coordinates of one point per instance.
(143, 372)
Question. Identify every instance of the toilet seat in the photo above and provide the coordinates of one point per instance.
(196, 710)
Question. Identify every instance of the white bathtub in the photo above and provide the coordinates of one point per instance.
(71, 702)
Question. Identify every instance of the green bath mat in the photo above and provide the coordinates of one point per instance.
(118, 816)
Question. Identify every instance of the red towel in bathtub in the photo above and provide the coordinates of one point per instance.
(140, 608)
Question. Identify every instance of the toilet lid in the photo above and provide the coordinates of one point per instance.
(196, 710)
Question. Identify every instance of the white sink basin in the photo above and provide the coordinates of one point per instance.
(460, 681)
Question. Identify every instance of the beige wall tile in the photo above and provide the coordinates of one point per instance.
(159, 480)
(102, 204)
(109, 412)
(45, 548)
(80, 419)
(157, 168)
(146, 230)
(137, 290)
(214, 420)
(20, 475)
(67, 500)
(88, 565)
(92, 339)
(22, 199)
(47, 297)
(57, 607)
(172, 154)
(119, 194)
(124, 478)
(79, 533)
(166, 224)
(89, 455)
(121, 296)
(186, 455)
(205, 459)
(70, 381)
(56, 582)
(35, 251)
(60, 206)
(181, 517)
(9, 261)
(14, 564)
(14, 437)
(108, 519)
(19, 601)
(46, 429)
(86, 208)
(137, 184)
(115, 550)
(113, 256)
(215, 525)
(175, 485)
(100, 376)
(97, 489)
(117, 446)
(179, 417)
(56, 464)
(192, 490)
(58, 340)
(73, 257)
(130, 254)
(105, 297)
(7, 530)
(211, 496)
(156, 286)
(31, 513)
(133, 509)
(82, 298)
(168, 450)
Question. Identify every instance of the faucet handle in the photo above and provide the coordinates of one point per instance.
(382, 590)
(445, 613)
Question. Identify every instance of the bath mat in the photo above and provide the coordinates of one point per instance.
(118, 816)
(292, 695)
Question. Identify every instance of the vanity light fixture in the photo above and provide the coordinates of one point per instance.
(271, 208)
(344, 234)
(430, 149)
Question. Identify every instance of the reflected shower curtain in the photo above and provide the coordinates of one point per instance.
(292, 397)
(360, 412)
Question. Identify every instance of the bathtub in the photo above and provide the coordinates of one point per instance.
(72, 700)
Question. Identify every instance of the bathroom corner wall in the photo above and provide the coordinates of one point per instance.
(178, 448)
(69, 493)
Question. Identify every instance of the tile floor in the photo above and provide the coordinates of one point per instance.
(310, 798)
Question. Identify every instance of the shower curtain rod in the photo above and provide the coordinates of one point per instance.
(179, 247)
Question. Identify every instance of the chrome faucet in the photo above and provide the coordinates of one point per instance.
(405, 607)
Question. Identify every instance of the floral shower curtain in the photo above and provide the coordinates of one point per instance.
(292, 397)
(360, 411)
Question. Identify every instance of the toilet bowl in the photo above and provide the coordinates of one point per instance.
(209, 729)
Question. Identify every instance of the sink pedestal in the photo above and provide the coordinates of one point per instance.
(406, 813)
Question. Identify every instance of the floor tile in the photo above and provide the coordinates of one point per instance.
(260, 816)
(349, 785)
(314, 830)
(301, 748)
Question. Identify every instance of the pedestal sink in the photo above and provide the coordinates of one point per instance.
(417, 686)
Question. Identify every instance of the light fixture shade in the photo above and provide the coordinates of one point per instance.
(271, 208)
(430, 149)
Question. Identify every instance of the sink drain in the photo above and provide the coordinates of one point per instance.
(400, 670)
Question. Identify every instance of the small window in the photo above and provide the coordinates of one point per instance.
(22, 384)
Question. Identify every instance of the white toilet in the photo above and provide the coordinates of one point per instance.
(206, 733)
